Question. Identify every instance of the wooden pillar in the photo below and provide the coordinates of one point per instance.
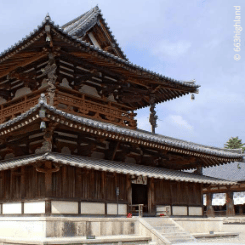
(210, 209)
(103, 179)
(22, 183)
(240, 209)
(48, 179)
(151, 195)
(64, 181)
(129, 192)
(48, 170)
(230, 210)
(79, 183)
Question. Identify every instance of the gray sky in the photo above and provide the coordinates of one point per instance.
(183, 40)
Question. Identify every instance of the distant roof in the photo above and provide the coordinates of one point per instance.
(112, 166)
(83, 23)
(234, 171)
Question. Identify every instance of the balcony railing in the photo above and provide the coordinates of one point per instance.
(19, 105)
(72, 102)
(93, 107)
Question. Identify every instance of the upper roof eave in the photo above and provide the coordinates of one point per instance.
(19, 46)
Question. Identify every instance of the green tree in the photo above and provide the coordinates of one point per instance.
(235, 143)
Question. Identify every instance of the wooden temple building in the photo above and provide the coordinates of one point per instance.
(69, 142)
(226, 200)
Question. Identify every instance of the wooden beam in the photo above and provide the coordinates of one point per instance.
(22, 64)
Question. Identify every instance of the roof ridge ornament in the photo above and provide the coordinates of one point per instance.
(42, 99)
(47, 18)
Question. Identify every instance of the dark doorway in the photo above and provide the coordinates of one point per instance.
(139, 194)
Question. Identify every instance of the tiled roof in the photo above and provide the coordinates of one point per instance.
(234, 171)
(83, 23)
(111, 166)
(8, 53)
(139, 134)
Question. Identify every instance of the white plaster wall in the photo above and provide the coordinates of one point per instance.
(22, 227)
(163, 209)
(112, 209)
(201, 225)
(65, 83)
(92, 208)
(34, 207)
(2, 101)
(22, 91)
(11, 208)
(61, 207)
(195, 210)
(66, 150)
(44, 83)
(9, 156)
(89, 90)
(130, 160)
(179, 210)
(98, 155)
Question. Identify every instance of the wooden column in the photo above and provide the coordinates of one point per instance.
(22, 183)
(151, 198)
(230, 210)
(210, 209)
(129, 192)
(240, 210)
(48, 170)
(103, 179)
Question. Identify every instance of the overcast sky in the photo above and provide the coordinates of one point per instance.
(183, 40)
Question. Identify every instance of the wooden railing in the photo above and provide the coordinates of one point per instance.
(19, 105)
(72, 102)
(101, 110)
(137, 208)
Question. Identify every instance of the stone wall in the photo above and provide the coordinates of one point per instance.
(200, 225)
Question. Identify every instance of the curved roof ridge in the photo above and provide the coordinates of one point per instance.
(85, 22)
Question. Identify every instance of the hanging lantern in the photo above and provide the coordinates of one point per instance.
(192, 96)
(42, 125)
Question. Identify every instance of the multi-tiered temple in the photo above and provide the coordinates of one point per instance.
(69, 137)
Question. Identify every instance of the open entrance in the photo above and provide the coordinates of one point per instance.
(139, 196)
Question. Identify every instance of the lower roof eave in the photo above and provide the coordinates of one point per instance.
(112, 166)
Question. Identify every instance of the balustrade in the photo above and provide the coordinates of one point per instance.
(72, 102)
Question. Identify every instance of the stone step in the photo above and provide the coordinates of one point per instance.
(180, 240)
(167, 230)
(176, 234)
(159, 223)
(170, 227)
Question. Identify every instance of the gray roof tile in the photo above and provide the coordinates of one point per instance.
(140, 134)
(110, 166)
(234, 171)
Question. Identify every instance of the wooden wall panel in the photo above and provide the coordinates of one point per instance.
(110, 187)
(122, 184)
(162, 193)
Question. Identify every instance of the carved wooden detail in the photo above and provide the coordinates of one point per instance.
(99, 111)
(18, 106)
